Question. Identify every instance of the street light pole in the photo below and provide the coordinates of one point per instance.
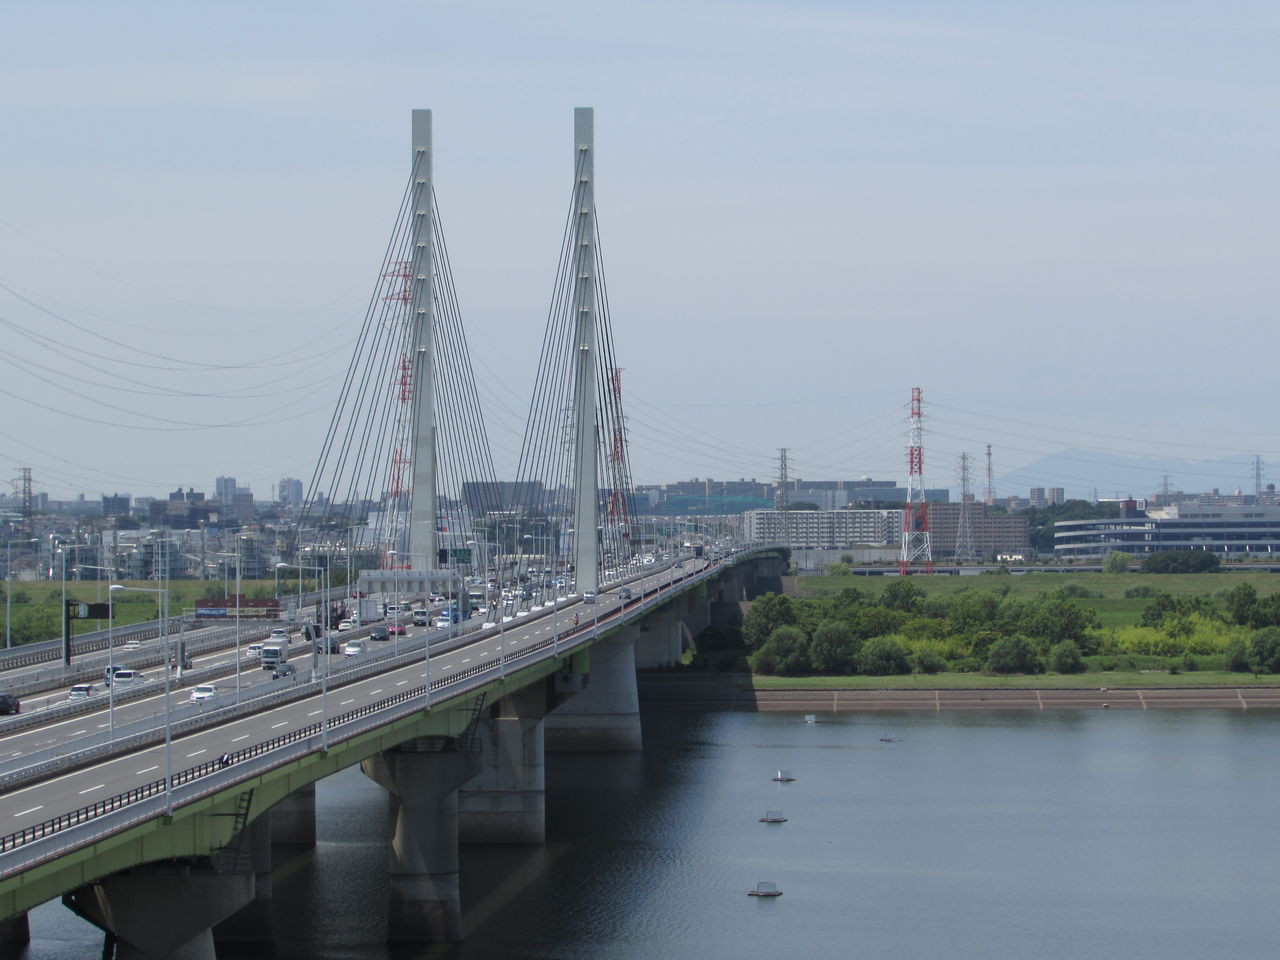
(162, 603)
(324, 674)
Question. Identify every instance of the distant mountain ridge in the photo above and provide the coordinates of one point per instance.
(1081, 472)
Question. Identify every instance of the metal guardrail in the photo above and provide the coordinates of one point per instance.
(563, 641)
(93, 670)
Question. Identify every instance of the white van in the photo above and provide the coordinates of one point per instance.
(125, 678)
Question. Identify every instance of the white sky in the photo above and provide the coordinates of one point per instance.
(1059, 220)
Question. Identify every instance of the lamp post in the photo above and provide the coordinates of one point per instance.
(162, 604)
(8, 589)
(324, 674)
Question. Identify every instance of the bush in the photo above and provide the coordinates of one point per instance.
(1118, 562)
(927, 661)
(1237, 655)
(1065, 658)
(882, 657)
(1141, 592)
(1077, 591)
(968, 665)
(1264, 650)
(1181, 561)
(1013, 655)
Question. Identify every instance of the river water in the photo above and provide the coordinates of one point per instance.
(975, 835)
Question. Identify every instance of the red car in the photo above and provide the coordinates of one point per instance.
(396, 628)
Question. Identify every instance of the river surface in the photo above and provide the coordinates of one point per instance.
(975, 835)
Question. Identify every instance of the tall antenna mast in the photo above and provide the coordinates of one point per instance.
(1257, 479)
(989, 494)
(916, 546)
(965, 548)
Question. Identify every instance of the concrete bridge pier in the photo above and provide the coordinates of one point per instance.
(14, 934)
(660, 639)
(293, 819)
(255, 921)
(606, 714)
(506, 801)
(162, 910)
(422, 780)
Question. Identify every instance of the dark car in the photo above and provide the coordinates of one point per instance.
(9, 703)
(624, 593)
(379, 631)
(284, 670)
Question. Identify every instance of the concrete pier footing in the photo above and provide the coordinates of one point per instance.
(293, 819)
(423, 782)
(606, 714)
(255, 921)
(506, 801)
(163, 910)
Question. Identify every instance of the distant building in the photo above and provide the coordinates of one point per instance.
(1239, 529)
(994, 534)
(116, 505)
(823, 529)
(290, 492)
(224, 488)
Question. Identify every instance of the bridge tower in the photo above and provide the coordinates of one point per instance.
(586, 493)
(423, 538)
(916, 545)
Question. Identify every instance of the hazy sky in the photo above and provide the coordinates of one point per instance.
(1059, 220)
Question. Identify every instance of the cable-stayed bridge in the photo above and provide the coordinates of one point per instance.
(159, 829)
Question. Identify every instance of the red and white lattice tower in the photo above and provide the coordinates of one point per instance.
(618, 460)
(916, 547)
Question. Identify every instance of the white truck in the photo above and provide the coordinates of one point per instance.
(274, 653)
(368, 610)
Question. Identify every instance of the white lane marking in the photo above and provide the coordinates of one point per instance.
(238, 739)
(345, 702)
(282, 723)
(79, 732)
(197, 753)
(91, 789)
(23, 813)
(148, 769)
(314, 713)
(372, 692)
(402, 683)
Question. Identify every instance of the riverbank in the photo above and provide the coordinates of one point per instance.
(688, 691)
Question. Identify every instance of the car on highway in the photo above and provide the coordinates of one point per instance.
(353, 648)
(125, 678)
(9, 703)
(395, 629)
(205, 693)
(108, 672)
(253, 650)
(345, 625)
(421, 618)
(279, 633)
(131, 645)
(82, 691)
(380, 631)
(437, 600)
(284, 670)
(624, 593)
(588, 597)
